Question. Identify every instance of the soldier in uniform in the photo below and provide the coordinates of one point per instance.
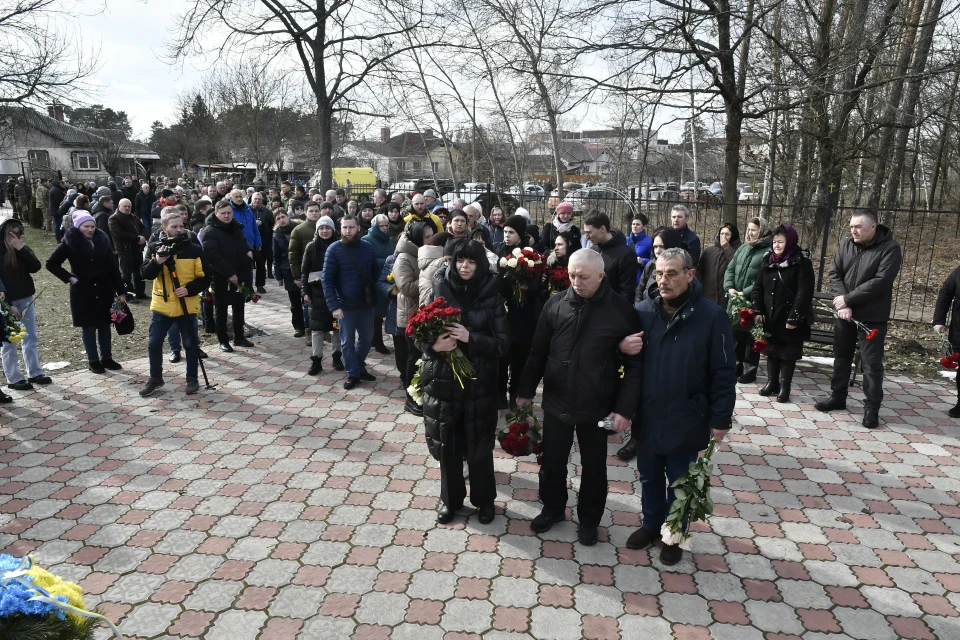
(21, 192)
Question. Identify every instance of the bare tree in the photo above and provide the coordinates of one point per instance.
(41, 60)
(339, 46)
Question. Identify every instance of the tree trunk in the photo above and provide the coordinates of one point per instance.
(731, 158)
(941, 147)
(325, 135)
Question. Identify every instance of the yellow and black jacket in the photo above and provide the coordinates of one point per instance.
(188, 263)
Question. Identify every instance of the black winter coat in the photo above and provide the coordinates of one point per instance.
(321, 319)
(281, 256)
(444, 401)
(126, 230)
(784, 293)
(711, 268)
(689, 375)
(576, 352)
(864, 276)
(18, 282)
(620, 265)
(549, 236)
(143, 204)
(948, 299)
(57, 194)
(98, 276)
(226, 251)
(101, 216)
(522, 318)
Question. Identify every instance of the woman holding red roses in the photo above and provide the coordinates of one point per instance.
(782, 297)
(461, 419)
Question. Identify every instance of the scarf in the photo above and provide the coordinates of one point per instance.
(764, 231)
(562, 226)
(793, 240)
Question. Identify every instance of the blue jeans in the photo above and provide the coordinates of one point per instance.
(173, 334)
(90, 337)
(656, 495)
(356, 334)
(31, 358)
(160, 326)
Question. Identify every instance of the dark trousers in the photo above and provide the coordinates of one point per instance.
(413, 354)
(513, 361)
(657, 473)
(400, 351)
(296, 309)
(747, 359)
(378, 332)
(556, 445)
(160, 326)
(845, 338)
(264, 260)
(57, 231)
(97, 334)
(453, 488)
(206, 313)
(220, 303)
(130, 272)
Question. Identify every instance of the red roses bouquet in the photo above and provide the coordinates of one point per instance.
(742, 312)
(870, 334)
(429, 322)
(950, 359)
(558, 279)
(524, 266)
(522, 435)
(249, 295)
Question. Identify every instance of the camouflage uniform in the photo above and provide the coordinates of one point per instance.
(21, 207)
(43, 203)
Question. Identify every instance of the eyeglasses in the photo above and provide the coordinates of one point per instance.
(669, 275)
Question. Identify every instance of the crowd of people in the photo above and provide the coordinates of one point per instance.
(647, 337)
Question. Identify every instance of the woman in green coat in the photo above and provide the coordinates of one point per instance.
(740, 276)
(379, 237)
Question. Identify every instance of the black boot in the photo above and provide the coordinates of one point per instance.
(773, 377)
(749, 373)
(787, 368)
(316, 366)
(955, 412)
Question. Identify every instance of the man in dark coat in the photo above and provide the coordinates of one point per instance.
(948, 299)
(689, 388)
(129, 190)
(264, 257)
(230, 257)
(143, 205)
(57, 194)
(129, 238)
(679, 218)
(575, 352)
(864, 268)
(350, 272)
(619, 260)
(101, 212)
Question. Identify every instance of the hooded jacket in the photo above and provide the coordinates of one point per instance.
(689, 375)
(445, 402)
(314, 255)
(741, 273)
(620, 264)
(245, 216)
(406, 275)
(864, 275)
(188, 264)
(575, 351)
(18, 281)
(713, 265)
(429, 260)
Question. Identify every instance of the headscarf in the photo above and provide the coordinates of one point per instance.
(734, 234)
(415, 231)
(793, 241)
(764, 230)
(467, 290)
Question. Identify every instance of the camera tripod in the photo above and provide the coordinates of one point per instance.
(185, 333)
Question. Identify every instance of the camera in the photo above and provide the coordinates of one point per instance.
(166, 244)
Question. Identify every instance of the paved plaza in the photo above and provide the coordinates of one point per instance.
(280, 506)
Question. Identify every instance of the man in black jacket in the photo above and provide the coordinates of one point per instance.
(129, 238)
(679, 218)
(619, 260)
(689, 388)
(263, 257)
(143, 205)
(864, 268)
(575, 352)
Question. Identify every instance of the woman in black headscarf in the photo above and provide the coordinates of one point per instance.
(714, 261)
(461, 421)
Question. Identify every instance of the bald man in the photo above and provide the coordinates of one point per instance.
(580, 395)
(129, 238)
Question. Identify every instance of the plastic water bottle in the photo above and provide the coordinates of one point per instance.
(606, 423)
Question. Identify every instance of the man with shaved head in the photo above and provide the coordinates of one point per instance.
(129, 238)
(579, 332)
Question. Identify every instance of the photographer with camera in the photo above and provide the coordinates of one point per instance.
(175, 264)
(230, 257)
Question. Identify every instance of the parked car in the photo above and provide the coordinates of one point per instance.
(468, 191)
(586, 199)
(717, 189)
(747, 194)
(700, 195)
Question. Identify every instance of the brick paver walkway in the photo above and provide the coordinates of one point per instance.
(281, 506)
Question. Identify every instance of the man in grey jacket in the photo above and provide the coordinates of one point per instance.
(864, 268)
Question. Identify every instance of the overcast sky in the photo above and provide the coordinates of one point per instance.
(134, 77)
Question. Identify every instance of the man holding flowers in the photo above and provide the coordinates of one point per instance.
(575, 352)
(689, 388)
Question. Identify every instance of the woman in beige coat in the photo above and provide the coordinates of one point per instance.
(406, 275)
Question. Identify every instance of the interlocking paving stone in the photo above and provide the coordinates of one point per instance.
(279, 506)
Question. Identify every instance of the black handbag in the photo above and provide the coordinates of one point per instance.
(369, 288)
(125, 326)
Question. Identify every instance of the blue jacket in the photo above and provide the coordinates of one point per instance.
(383, 247)
(693, 243)
(643, 246)
(689, 375)
(245, 216)
(343, 265)
(390, 320)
